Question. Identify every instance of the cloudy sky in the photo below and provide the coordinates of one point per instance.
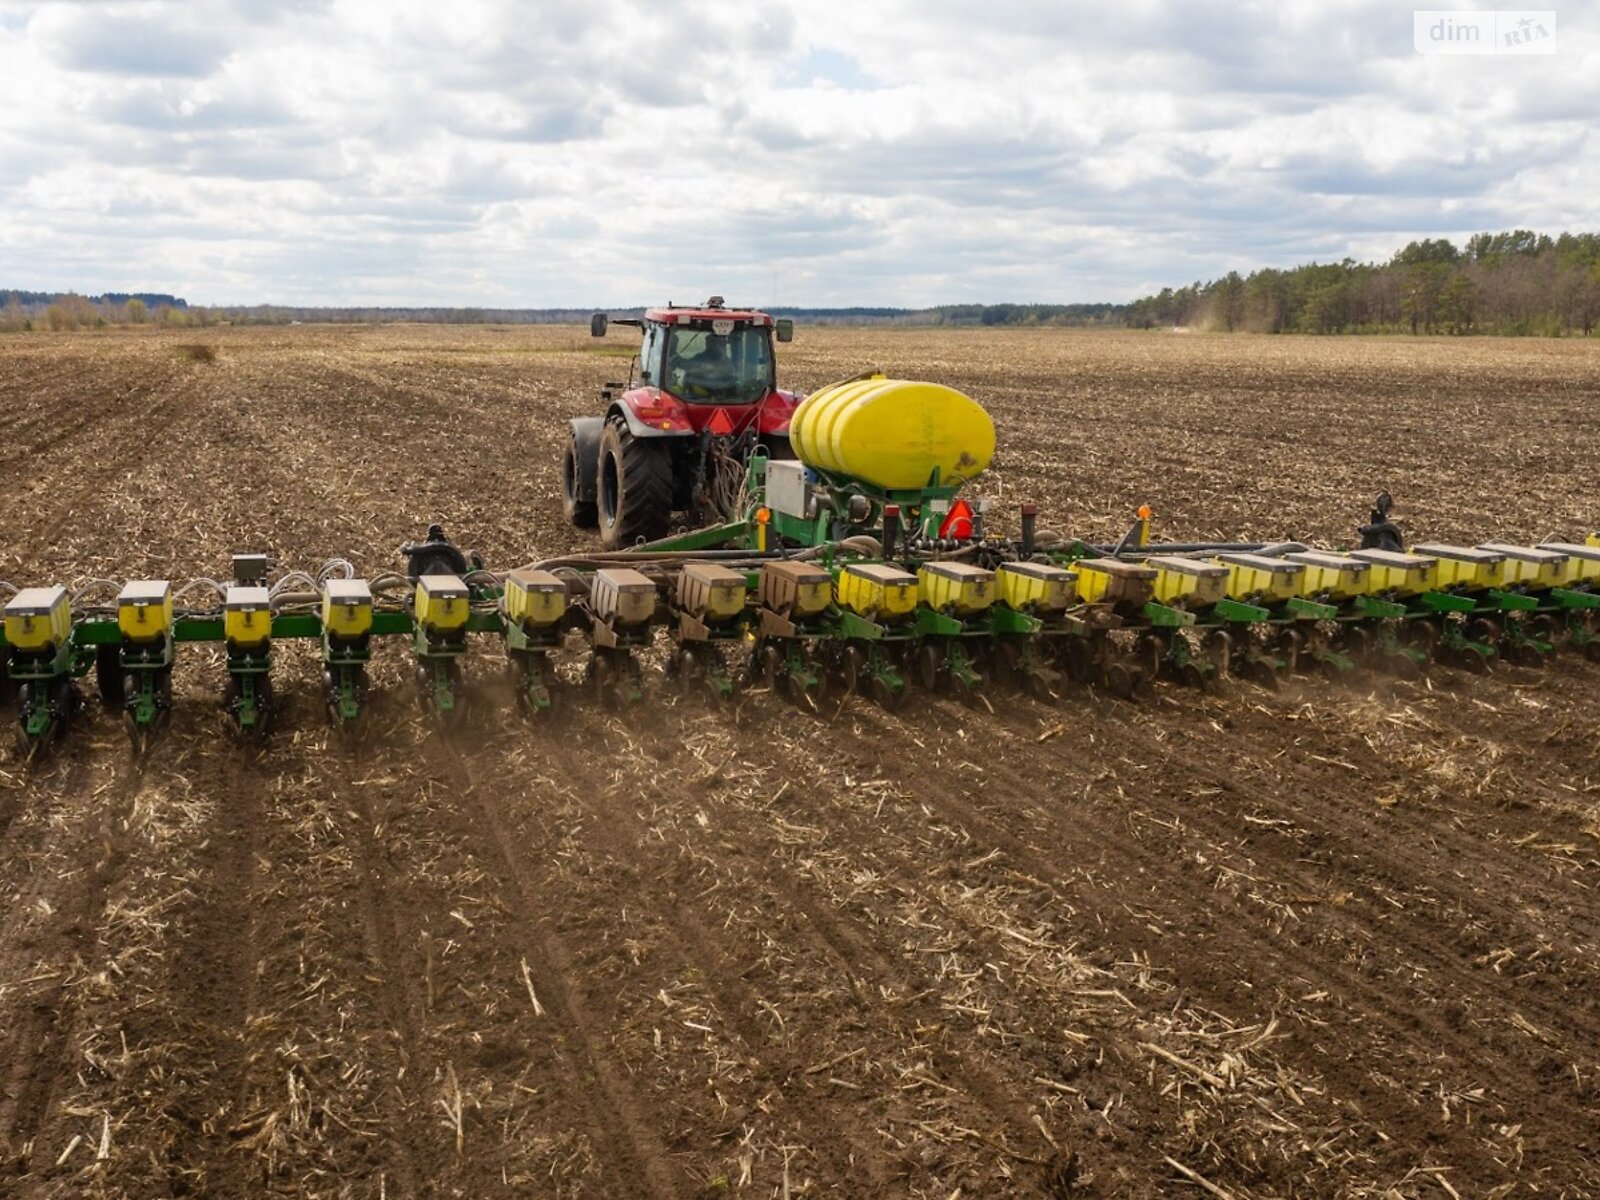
(576, 152)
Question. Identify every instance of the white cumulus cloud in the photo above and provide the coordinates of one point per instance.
(569, 152)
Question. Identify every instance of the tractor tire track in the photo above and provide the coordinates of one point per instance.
(1402, 1018)
(385, 931)
(1429, 1040)
(38, 1049)
(1321, 811)
(863, 959)
(36, 426)
(314, 987)
(726, 973)
(102, 444)
(952, 801)
(215, 978)
(616, 1117)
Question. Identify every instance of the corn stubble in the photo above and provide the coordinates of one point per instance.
(1334, 940)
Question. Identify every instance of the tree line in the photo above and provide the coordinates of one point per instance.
(21, 311)
(948, 314)
(1516, 282)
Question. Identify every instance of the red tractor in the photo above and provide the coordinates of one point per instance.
(701, 397)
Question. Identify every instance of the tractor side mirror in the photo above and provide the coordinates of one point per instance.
(785, 329)
(597, 325)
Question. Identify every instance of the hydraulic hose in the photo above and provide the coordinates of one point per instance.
(285, 600)
(198, 583)
(293, 579)
(87, 586)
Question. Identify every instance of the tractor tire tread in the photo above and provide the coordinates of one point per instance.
(644, 487)
(584, 514)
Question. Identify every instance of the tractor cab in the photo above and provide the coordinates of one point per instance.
(716, 362)
(701, 398)
(705, 355)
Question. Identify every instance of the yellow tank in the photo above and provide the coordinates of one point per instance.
(1537, 570)
(712, 593)
(1395, 574)
(347, 608)
(247, 617)
(38, 619)
(1036, 587)
(623, 597)
(877, 591)
(144, 610)
(441, 603)
(1583, 562)
(794, 589)
(1258, 579)
(1188, 582)
(1112, 581)
(893, 433)
(536, 599)
(1463, 568)
(1334, 577)
(955, 587)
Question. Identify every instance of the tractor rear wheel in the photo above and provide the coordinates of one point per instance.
(634, 488)
(582, 513)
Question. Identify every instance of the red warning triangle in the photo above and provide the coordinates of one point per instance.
(721, 423)
(958, 521)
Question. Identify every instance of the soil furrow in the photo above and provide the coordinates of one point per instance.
(1429, 1040)
(61, 955)
(783, 1060)
(1314, 943)
(214, 963)
(639, 1161)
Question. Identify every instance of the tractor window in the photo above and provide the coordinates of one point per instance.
(647, 355)
(711, 368)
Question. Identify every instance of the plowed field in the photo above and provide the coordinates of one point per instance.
(1341, 939)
